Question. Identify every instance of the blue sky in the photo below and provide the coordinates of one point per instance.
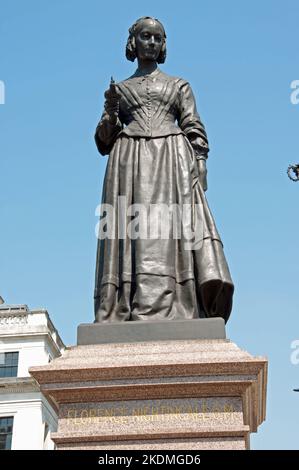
(56, 59)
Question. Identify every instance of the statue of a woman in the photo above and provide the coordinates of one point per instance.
(157, 148)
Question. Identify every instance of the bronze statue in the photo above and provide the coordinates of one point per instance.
(157, 148)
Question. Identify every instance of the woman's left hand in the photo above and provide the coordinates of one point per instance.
(202, 171)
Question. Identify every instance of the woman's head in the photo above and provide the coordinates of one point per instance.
(147, 40)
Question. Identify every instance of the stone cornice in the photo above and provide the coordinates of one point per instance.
(18, 320)
(18, 385)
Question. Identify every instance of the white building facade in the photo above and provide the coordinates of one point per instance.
(27, 338)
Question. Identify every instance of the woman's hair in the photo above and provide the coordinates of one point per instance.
(131, 44)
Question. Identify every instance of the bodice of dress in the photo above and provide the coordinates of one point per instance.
(154, 105)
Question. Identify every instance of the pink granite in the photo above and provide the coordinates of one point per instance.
(198, 393)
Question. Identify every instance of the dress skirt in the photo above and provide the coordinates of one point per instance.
(159, 253)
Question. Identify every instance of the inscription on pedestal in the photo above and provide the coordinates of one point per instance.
(150, 415)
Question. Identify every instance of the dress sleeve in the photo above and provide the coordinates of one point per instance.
(189, 121)
(106, 134)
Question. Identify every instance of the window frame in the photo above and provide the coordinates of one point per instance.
(10, 366)
(8, 434)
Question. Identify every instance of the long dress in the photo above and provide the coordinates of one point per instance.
(153, 150)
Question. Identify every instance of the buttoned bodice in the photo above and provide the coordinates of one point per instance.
(149, 105)
(153, 105)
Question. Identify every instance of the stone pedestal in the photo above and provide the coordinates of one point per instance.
(166, 394)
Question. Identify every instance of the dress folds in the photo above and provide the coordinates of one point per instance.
(161, 256)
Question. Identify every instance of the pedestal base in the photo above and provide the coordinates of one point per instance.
(174, 394)
(147, 330)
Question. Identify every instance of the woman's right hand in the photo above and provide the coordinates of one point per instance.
(112, 97)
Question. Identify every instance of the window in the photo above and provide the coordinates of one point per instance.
(6, 425)
(9, 364)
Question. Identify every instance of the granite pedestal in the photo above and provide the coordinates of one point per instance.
(146, 386)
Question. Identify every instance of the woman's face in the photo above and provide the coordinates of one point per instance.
(149, 40)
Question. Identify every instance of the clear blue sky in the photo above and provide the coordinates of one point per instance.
(56, 59)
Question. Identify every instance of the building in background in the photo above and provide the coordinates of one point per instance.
(27, 338)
